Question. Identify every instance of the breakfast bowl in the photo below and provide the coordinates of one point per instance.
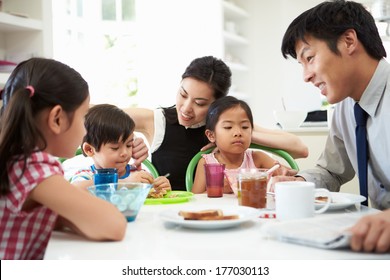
(290, 119)
(127, 197)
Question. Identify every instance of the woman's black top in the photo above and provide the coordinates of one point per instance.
(178, 147)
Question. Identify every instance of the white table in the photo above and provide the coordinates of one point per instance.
(150, 238)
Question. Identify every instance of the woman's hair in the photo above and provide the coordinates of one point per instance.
(34, 85)
(107, 123)
(212, 71)
(328, 21)
(223, 104)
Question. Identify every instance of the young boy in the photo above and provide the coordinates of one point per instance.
(109, 142)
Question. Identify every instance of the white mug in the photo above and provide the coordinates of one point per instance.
(295, 200)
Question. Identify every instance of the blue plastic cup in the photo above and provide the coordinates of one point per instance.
(105, 176)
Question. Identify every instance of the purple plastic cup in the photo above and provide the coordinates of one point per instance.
(214, 179)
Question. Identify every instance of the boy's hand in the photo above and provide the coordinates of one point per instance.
(162, 183)
(140, 177)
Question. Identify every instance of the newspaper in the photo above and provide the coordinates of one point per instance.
(327, 232)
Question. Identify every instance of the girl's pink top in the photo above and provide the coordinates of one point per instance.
(24, 234)
(231, 174)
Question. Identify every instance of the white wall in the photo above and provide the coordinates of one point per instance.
(176, 31)
(172, 34)
(276, 77)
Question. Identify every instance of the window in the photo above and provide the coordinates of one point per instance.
(128, 10)
(98, 39)
(109, 9)
(80, 8)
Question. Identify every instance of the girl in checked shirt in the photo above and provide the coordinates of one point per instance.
(44, 104)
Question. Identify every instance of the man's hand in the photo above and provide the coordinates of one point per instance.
(372, 233)
(284, 171)
(277, 179)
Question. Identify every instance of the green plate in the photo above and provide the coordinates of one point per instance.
(178, 197)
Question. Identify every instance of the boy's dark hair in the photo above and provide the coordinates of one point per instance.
(221, 105)
(106, 123)
(328, 21)
(212, 71)
(53, 83)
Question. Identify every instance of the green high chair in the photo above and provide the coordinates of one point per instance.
(189, 179)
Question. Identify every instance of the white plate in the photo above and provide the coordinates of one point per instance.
(342, 200)
(245, 214)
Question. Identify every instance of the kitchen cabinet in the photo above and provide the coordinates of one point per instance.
(235, 44)
(25, 31)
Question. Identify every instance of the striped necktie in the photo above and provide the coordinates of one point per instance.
(361, 149)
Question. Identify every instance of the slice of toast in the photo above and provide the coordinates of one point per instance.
(227, 217)
(189, 215)
(207, 215)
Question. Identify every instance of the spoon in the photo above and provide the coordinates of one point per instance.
(273, 168)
